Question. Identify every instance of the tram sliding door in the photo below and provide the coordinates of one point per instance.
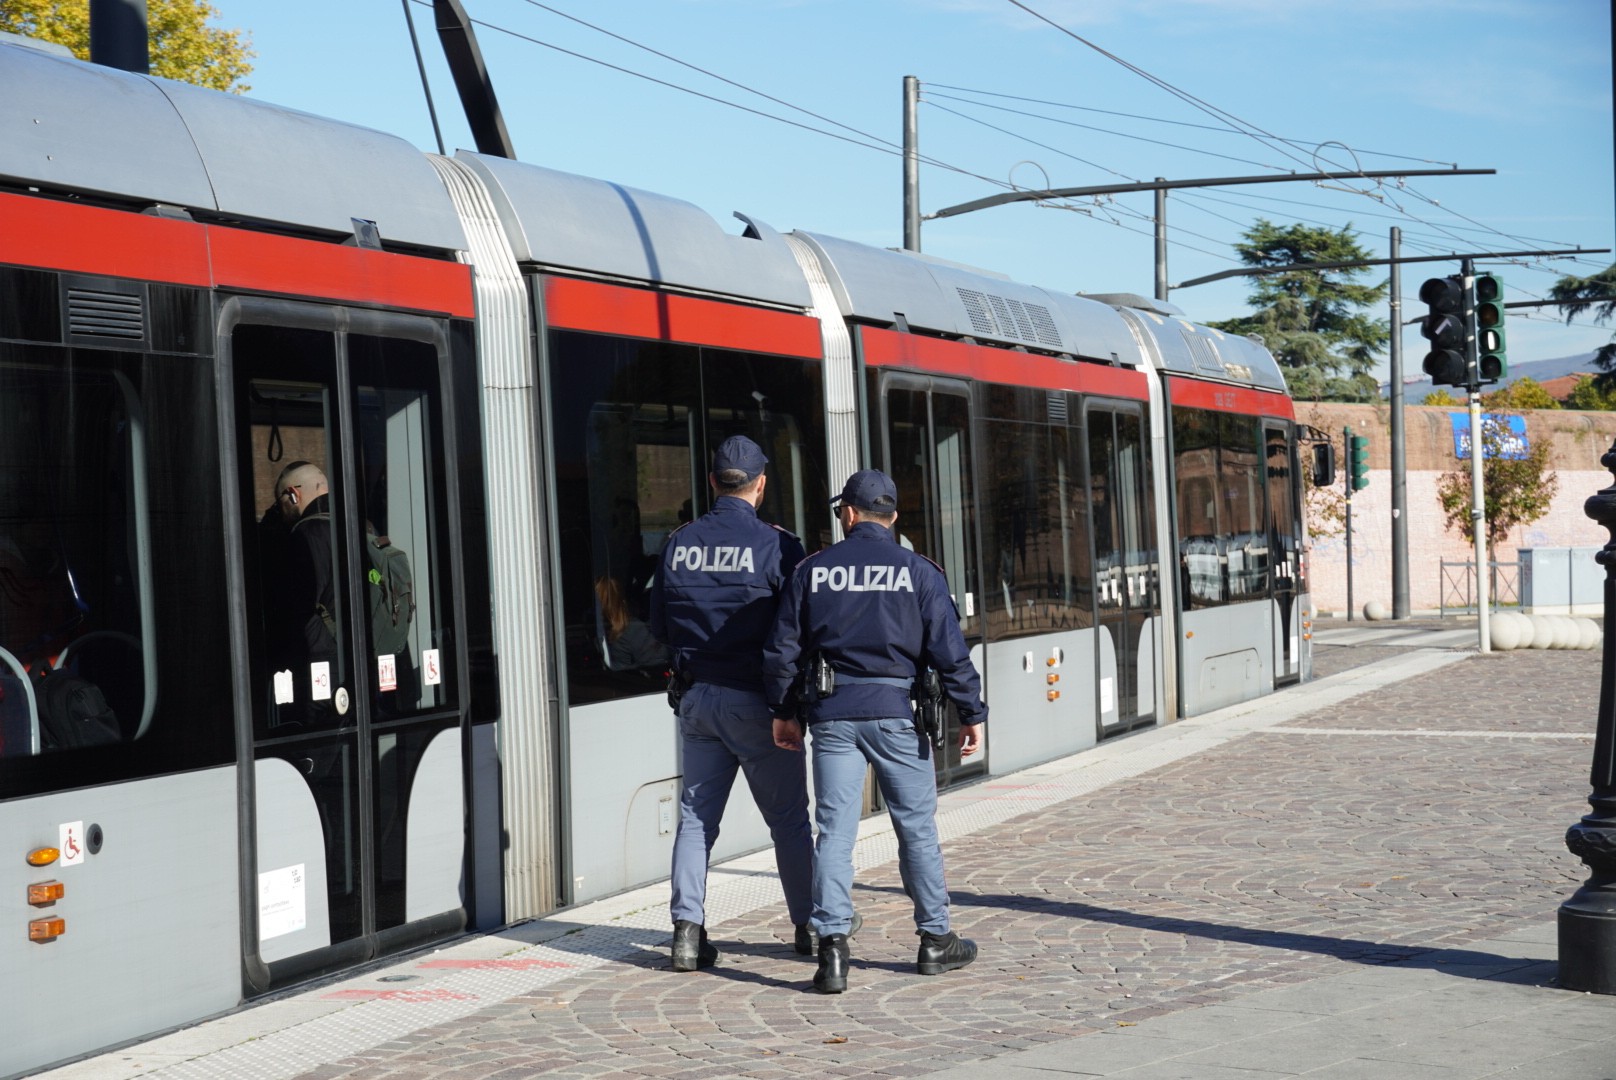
(350, 600)
(929, 457)
(1127, 589)
(1284, 547)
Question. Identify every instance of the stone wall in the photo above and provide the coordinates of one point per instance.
(1577, 440)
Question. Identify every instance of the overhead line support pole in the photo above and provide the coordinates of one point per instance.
(911, 163)
(1400, 604)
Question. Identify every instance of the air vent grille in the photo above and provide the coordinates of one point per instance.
(1056, 405)
(92, 313)
(1204, 352)
(1004, 317)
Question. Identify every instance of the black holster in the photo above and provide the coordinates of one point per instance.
(927, 693)
(678, 683)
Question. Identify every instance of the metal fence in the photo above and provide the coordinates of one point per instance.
(1458, 591)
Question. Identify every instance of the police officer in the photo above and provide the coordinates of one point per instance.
(713, 602)
(876, 613)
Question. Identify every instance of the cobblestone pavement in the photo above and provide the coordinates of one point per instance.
(1286, 855)
(1331, 856)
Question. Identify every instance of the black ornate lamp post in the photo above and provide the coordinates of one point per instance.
(1588, 919)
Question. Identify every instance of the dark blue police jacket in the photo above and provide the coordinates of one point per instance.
(717, 590)
(873, 608)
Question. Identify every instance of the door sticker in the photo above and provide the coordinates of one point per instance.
(282, 902)
(386, 673)
(71, 844)
(431, 673)
(284, 694)
(320, 676)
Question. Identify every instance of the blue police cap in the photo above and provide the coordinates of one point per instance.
(869, 489)
(739, 452)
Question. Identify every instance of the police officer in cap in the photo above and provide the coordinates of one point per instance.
(713, 601)
(877, 614)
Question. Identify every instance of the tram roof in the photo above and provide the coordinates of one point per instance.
(92, 130)
(888, 286)
(571, 222)
(1186, 348)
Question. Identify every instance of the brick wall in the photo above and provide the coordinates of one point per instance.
(1577, 439)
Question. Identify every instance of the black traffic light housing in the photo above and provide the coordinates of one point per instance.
(1323, 464)
(1491, 362)
(1445, 325)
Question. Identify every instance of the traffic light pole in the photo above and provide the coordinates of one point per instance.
(1478, 450)
(1346, 478)
(1399, 480)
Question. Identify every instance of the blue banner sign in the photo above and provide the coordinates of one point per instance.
(1502, 436)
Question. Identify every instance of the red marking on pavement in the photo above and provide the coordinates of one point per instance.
(412, 996)
(497, 965)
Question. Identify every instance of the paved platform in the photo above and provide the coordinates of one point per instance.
(1352, 879)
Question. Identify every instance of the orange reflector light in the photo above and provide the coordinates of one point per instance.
(1054, 695)
(1189, 633)
(43, 856)
(1050, 662)
(45, 892)
(1052, 678)
(46, 929)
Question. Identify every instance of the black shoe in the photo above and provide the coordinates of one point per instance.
(831, 978)
(691, 949)
(805, 935)
(944, 952)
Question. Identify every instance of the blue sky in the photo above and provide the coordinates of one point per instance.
(1521, 86)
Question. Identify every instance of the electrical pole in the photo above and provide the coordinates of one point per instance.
(1399, 476)
(911, 163)
(1161, 240)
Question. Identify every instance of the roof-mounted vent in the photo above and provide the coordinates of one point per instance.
(1204, 351)
(1005, 317)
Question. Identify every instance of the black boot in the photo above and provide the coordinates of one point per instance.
(831, 978)
(691, 949)
(944, 952)
(805, 935)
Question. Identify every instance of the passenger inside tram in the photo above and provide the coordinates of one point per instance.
(628, 642)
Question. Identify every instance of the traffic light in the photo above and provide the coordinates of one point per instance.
(1358, 459)
(1445, 326)
(1490, 359)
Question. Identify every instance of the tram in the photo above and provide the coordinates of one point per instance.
(514, 377)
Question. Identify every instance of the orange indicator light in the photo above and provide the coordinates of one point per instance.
(1052, 678)
(45, 892)
(46, 929)
(1054, 695)
(43, 856)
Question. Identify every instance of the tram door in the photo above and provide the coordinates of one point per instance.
(1127, 589)
(1284, 545)
(928, 455)
(350, 605)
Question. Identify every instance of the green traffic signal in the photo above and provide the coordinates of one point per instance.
(1490, 356)
(1358, 451)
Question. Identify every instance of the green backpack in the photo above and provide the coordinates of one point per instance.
(389, 592)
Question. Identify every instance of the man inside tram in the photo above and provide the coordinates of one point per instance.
(309, 613)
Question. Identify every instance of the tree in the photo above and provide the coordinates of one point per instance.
(1589, 398)
(1524, 393)
(183, 46)
(1514, 491)
(1311, 319)
(1440, 396)
(1596, 293)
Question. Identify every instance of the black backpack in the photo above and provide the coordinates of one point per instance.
(73, 713)
(389, 591)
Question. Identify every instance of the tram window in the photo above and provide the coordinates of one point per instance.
(401, 506)
(634, 424)
(111, 566)
(1241, 515)
(1195, 468)
(1035, 524)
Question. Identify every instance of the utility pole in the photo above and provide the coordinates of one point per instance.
(1400, 604)
(1161, 241)
(911, 163)
(1478, 502)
